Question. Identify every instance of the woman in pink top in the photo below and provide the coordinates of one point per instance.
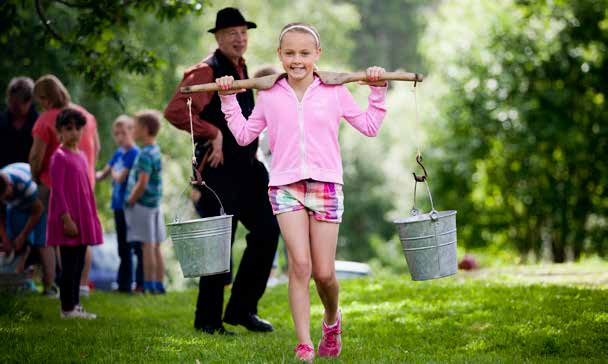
(52, 96)
(303, 116)
(72, 222)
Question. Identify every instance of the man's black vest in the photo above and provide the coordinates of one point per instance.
(15, 144)
(234, 154)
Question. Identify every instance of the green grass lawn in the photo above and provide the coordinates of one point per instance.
(387, 319)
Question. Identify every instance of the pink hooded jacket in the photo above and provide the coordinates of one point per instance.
(303, 135)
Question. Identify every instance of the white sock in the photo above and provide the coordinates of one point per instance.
(331, 326)
(335, 323)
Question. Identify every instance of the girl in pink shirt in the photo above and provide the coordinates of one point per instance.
(52, 96)
(303, 116)
(73, 223)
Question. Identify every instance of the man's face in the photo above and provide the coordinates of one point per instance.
(19, 107)
(232, 41)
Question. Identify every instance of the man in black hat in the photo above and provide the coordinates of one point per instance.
(239, 179)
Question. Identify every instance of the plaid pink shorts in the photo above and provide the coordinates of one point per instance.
(323, 200)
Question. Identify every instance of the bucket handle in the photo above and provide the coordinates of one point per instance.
(197, 179)
(419, 179)
(202, 183)
(177, 218)
(433, 214)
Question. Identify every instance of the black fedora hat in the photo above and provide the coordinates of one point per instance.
(230, 17)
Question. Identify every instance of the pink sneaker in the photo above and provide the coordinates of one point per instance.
(305, 352)
(331, 342)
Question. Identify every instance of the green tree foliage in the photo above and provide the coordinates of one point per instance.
(522, 123)
(81, 36)
(389, 33)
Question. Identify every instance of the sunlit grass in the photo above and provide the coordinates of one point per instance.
(387, 319)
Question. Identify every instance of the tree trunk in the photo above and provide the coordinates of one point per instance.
(558, 249)
(578, 247)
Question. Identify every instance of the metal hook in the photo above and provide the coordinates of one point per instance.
(420, 178)
(197, 179)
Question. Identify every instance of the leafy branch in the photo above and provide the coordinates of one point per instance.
(96, 34)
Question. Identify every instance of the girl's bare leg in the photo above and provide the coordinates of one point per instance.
(294, 228)
(323, 242)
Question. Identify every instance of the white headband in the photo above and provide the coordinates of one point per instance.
(297, 26)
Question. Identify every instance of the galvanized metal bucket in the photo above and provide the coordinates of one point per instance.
(429, 241)
(202, 246)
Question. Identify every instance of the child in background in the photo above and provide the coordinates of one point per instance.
(73, 223)
(303, 116)
(22, 227)
(52, 96)
(144, 217)
(118, 167)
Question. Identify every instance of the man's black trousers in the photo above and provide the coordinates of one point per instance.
(244, 194)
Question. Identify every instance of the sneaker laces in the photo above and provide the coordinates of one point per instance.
(330, 334)
(306, 348)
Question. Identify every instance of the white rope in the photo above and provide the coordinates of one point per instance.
(418, 154)
(189, 102)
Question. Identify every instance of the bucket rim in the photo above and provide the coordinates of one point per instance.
(193, 221)
(424, 217)
(419, 279)
(198, 274)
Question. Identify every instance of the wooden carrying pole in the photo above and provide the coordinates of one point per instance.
(328, 78)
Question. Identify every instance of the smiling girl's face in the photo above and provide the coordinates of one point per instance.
(298, 53)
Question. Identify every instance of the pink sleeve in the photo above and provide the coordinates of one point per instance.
(57, 170)
(367, 122)
(244, 130)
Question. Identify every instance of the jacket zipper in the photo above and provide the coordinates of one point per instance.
(303, 167)
(302, 139)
